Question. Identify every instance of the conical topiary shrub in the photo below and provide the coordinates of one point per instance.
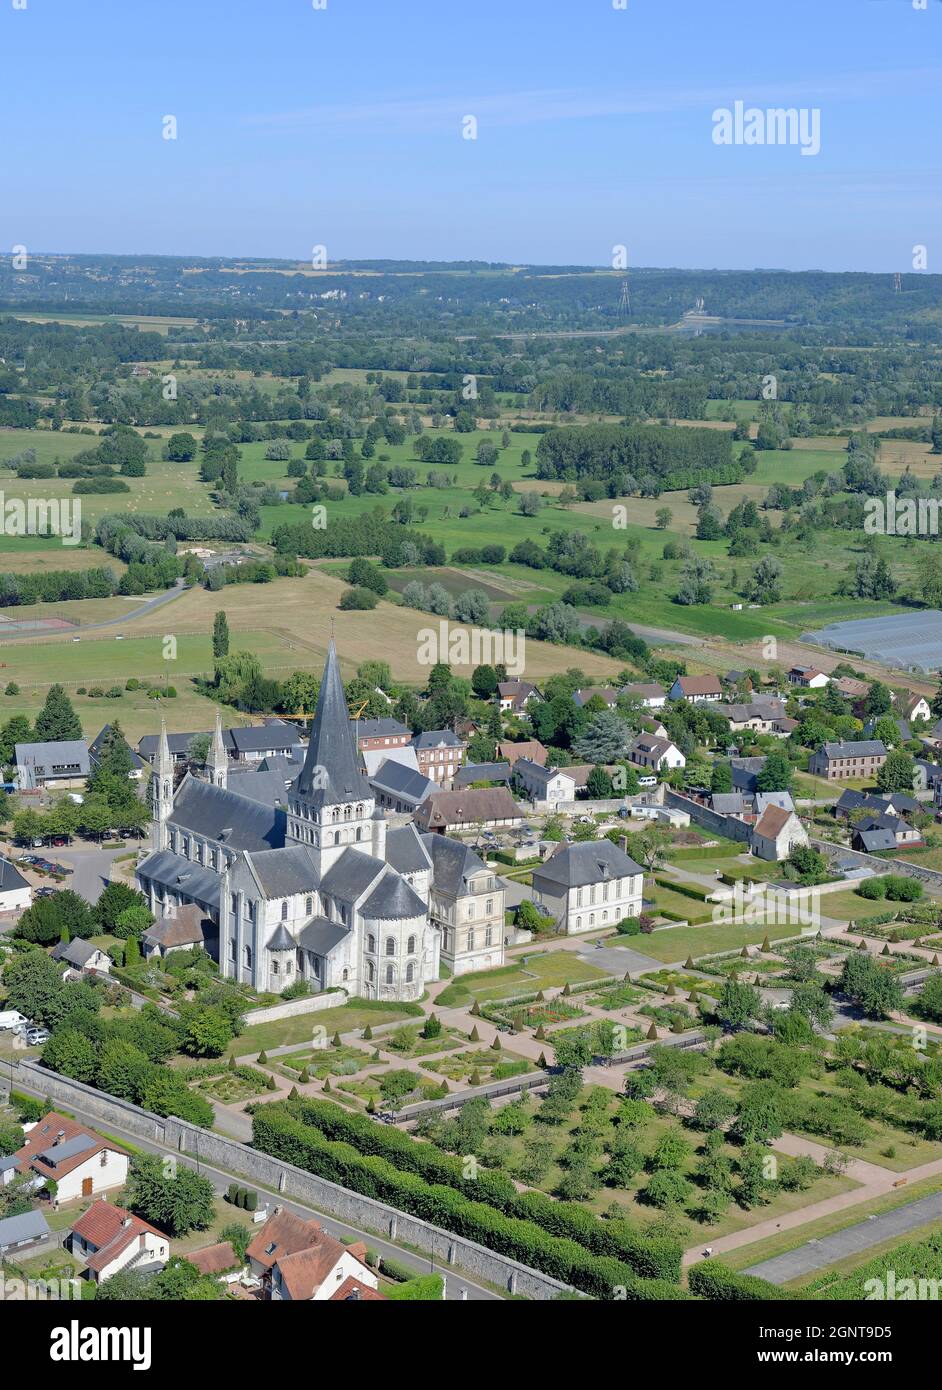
(540, 997)
(475, 1036)
(935, 960)
(744, 953)
(293, 1093)
(335, 1041)
(262, 1058)
(693, 997)
(474, 1079)
(327, 1085)
(652, 1032)
(627, 977)
(861, 945)
(540, 1034)
(566, 990)
(304, 1077)
(271, 1084)
(476, 1009)
(688, 963)
(671, 991)
(377, 1055)
(371, 1106)
(495, 1045)
(541, 1061)
(677, 1026)
(367, 1033)
(232, 1061)
(886, 950)
(766, 943)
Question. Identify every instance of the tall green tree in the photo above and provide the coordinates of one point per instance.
(57, 718)
(220, 636)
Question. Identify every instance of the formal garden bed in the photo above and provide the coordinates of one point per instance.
(482, 1064)
(410, 1040)
(316, 1063)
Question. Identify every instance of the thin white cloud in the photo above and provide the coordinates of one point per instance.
(568, 104)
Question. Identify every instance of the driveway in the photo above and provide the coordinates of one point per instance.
(619, 959)
(92, 867)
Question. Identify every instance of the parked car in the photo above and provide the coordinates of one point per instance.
(35, 1036)
(58, 841)
(647, 781)
(45, 892)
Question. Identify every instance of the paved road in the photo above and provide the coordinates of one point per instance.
(139, 610)
(457, 1286)
(618, 959)
(92, 866)
(816, 1254)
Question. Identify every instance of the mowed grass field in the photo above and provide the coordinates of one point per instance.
(287, 624)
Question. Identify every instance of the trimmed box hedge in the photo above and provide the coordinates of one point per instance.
(714, 1281)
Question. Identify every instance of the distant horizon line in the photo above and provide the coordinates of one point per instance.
(354, 262)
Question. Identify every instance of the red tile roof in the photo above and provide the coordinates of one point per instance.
(214, 1259)
(103, 1226)
(55, 1131)
(351, 1290)
(282, 1234)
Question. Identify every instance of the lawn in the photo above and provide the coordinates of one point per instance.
(677, 943)
(282, 1032)
(528, 974)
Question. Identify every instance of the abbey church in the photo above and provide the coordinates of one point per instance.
(317, 885)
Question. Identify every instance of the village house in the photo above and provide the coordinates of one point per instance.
(589, 884)
(776, 833)
(439, 754)
(807, 677)
(179, 929)
(652, 696)
(296, 1261)
(850, 688)
(492, 774)
(107, 1239)
(15, 890)
(79, 1161)
(696, 689)
(914, 707)
(759, 716)
(487, 807)
(78, 956)
(514, 696)
(373, 734)
(57, 765)
(399, 787)
(530, 748)
(544, 786)
(854, 758)
(605, 693)
(649, 751)
(95, 751)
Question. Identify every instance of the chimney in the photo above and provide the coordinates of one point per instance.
(59, 1138)
(126, 1222)
(623, 844)
(276, 1211)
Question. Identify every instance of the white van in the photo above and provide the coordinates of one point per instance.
(11, 1019)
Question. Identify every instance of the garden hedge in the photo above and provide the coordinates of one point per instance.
(714, 1281)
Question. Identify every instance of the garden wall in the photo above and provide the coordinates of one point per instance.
(284, 1178)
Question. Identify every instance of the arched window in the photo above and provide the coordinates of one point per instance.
(284, 909)
(390, 974)
(359, 832)
(411, 946)
(370, 971)
(390, 945)
(371, 945)
(410, 972)
(345, 976)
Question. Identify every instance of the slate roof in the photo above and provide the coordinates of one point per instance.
(172, 871)
(855, 748)
(321, 936)
(536, 772)
(482, 772)
(406, 850)
(284, 872)
(267, 788)
(282, 940)
(10, 877)
(257, 738)
(177, 743)
(379, 728)
(351, 875)
(401, 781)
(31, 1225)
(61, 752)
(873, 840)
(94, 749)
(375, 758)
(226, 817)
(452, 864)
(77, 953)
(469, 806)
(766, 799)
(331, 773)
(437, 738)
(728, 803)
(393, 898)
(589, 861)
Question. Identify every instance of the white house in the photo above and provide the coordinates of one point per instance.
(297, 1261)
(586, 885)
(108, 1238)
(776, 833)
(79, 1161)
(808, 677)
(78, 956)
(656, 753)
(652, 696)
(915, 707)
(15, 892)
(544, 786)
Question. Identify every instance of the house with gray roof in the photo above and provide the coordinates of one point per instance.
(467, 905)
(15, 890)
(17, 1233)
(398, 787)
(496, 774)
(862, 757)
(78, 956)
(64, 763)
(588, 885)
(546, 787)
(179, 930)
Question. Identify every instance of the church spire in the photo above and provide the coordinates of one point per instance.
(161, 790)
(218, 761)
(331, 773)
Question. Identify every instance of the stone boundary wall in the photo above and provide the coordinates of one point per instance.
(239, 1159)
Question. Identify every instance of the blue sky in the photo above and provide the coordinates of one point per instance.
(342, 127)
